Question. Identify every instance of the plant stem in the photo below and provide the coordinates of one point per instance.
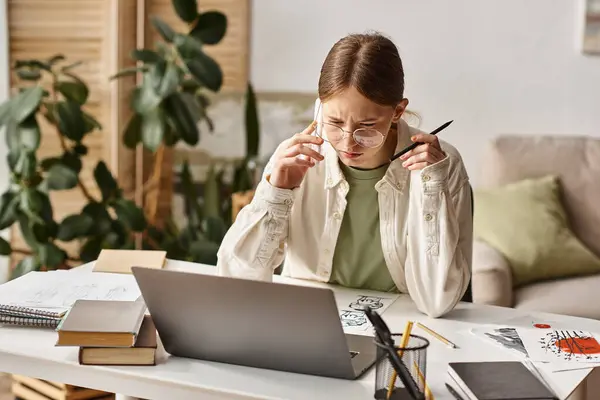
(63, 142)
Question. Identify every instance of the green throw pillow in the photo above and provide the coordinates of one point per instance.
(527, 223)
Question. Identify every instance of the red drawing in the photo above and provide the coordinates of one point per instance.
(578, 345)
(542, 326)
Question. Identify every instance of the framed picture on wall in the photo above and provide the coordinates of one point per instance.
(591, 28)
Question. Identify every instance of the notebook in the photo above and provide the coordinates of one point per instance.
(498, 380)
(30, 317)
(142, 353)
(101, 323)
(121, 261)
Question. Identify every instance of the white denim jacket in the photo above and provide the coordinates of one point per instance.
(425, 223)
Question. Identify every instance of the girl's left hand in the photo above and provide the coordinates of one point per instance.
(428, 153)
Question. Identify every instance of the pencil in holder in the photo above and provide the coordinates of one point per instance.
(388, 385)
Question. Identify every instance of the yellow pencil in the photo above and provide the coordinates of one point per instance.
(428, 394)
(437, 336)
(403, 344)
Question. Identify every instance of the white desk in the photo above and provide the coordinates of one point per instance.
(31, 352)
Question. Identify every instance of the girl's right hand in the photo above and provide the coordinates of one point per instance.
(289, 169)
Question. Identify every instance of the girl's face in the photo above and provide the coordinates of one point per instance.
(350, 110)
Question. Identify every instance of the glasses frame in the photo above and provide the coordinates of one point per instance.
(345, 133)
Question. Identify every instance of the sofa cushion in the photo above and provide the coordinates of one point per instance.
(526, 222)
(574, 159)
(579, 297)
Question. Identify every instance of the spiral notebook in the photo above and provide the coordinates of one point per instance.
(25, 316)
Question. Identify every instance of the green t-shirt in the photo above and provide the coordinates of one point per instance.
(358, 259)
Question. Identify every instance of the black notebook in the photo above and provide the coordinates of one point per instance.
(498, 380)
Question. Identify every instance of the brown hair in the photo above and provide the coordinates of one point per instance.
(370, 62)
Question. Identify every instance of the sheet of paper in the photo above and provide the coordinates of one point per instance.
(560, 345)
(351, 306)
(60, 289)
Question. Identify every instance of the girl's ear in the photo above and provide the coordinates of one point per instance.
(400, 108)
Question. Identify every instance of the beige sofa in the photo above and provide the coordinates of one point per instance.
(576, 160)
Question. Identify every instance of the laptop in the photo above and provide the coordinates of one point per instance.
(253, 323)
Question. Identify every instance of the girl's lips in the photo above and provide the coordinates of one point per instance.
(351, 155)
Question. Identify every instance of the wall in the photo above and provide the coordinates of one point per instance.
(494, 67)
(4, 89)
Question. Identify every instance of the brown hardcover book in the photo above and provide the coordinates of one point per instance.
(101, 323)
(121, 261)
(143, 353)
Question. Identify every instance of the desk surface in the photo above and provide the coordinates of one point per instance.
(31, 352)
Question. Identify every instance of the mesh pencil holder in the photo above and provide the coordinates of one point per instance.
(414, 357)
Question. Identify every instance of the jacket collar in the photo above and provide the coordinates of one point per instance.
(396, 175)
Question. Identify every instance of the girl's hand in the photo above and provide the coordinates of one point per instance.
(428, 153)
(288, 168)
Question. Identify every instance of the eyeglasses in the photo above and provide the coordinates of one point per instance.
(365, 137)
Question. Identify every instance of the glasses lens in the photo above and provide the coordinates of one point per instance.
(368, 137)
(330, 132)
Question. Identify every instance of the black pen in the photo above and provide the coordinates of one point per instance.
(414, 145)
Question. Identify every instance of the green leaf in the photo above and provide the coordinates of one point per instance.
(242, 178)
(26, 226)
(29, 133)
(76, 91)
(206, 70)
(169, 81)
(31, 201)
(180, 107)
(91, 249)
(26, 164)
(5, 249)
(61, 177)
(193, 211)
(145, 55)
(252, 125)
(80, 149)
(34, 64)
(72, 161)
(167, 33)
(129, 71)
(144, 97)
(90, 123)
(71, 122)
(211, 27)
(101, 217)
(75, 226)
(8, 209)
(55, 59)
(51, 256)
(5, 112)
(50, 112)
(186, 9)
(46, 212)
(212, 195)
(153, 128)
(47, 163)
(133, 131)
(188, 46)
(29, 74)
(105, 180)
(23, 267)
(214, 229)
(130, 214)
(204, 252)
(13, 140)
(26, 103)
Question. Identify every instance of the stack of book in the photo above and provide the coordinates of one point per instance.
(33, 317)
(109, 333)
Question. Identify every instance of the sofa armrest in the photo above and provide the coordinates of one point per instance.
(492, 276)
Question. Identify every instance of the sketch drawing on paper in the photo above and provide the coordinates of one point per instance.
(361, 302)
(509, 338)
(571, 345)
(355, 319)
